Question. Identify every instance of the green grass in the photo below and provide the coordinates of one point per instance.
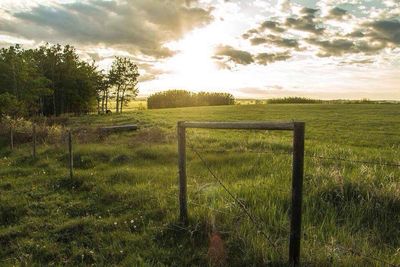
(121, 207)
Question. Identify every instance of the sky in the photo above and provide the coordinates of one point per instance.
(329, 49)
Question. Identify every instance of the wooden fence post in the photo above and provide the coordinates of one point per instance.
(183, 215)
(297, 187)
(34, 141)
(71, 157)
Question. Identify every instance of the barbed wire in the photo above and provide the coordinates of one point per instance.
(237, 201)
(307, 155)
(243, 207)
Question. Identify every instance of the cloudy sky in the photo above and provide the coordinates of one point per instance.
(254, 49)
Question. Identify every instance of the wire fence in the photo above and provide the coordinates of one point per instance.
(307, 155)
(256, 220)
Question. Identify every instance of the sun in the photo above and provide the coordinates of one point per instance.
(194, 55)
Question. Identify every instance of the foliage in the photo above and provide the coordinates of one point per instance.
(123, 76)
(53, 80)
(304, 100)
(9, 105)
(294, 100)
(182, 98)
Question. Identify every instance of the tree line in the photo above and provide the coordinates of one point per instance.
(182, 98)
(52, 80)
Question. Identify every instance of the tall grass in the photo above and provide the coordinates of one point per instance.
(121, 207)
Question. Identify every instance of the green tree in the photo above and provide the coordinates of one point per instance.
(11, 106)
(73, 81)
(21, 77)
(124, 76)
(103, 92)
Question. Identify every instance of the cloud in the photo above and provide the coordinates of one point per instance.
(234, 55)
(368, 37)
(261, 91)
(285, 5)
(266, 58)
(357, 61)
(272, 25)
(309, 12)
(385, 30)
(258, 40)
(304, 23)
(275, 40)
(356, 34)
(136, 25)
(339, 47)
(337, 13)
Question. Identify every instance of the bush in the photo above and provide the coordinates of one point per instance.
(294, 100)
(182, 98)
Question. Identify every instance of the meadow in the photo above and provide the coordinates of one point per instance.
(121, 207)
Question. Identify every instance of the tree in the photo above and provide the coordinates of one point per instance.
(52, 80)
(10, 106)
(73, 81)
(124, 76)
(21, 78)
(182, 98)
(103, 91)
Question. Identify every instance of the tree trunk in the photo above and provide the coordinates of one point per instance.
(117, 100)
(15, 89)
(107, 100)
(122, 99)
(102, 102)
(54, 104)
(121, 104)
(54, 88)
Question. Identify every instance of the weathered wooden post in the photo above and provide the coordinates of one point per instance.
(34, 141)
(297, 187)
(71, 157)
(183, 215)
(298, 129)
(11, 137)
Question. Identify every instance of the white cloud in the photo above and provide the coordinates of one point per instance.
(143, 30)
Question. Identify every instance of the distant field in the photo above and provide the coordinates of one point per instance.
(121, 207)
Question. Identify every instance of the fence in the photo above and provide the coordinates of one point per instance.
(240, 204)
(256, 221)
(298, 161)
(298, 129)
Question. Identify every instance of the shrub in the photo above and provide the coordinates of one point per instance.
(294, 100)
(182, 98)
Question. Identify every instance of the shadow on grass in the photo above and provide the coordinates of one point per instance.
(365, 210)
(193, 244)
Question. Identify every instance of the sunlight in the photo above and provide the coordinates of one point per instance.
(194, 57)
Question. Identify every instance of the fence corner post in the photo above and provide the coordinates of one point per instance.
(183, 213)
(297, 193)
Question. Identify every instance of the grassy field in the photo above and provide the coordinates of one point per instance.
(121, 207)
